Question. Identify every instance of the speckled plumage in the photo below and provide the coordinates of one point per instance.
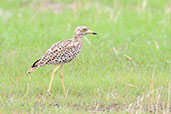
(61, 52)
(64, 51)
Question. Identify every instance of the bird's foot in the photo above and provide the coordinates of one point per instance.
(49, 93)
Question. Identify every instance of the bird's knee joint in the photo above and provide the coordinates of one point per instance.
(61, 76)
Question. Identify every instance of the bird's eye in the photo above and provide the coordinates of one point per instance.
(84, 29)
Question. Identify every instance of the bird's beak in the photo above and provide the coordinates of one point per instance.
(91, 32)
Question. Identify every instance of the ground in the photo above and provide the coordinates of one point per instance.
(126, 68)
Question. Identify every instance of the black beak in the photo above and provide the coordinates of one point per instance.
(94, 33)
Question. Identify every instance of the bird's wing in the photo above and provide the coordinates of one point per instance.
(50, 53)
(56, 51)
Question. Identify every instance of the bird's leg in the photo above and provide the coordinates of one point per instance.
(61, 77)
(52, 77)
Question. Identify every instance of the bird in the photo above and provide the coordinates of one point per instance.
(61, 53)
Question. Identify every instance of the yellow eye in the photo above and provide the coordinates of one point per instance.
(84, 29)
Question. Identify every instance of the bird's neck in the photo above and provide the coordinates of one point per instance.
(78, 37)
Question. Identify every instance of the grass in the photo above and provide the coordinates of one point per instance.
(125, 68)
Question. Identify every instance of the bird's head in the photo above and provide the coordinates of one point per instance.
(82, 31)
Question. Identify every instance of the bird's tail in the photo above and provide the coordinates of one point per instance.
(34, 66)
(31, 70)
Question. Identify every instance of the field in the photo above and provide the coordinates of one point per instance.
(126, 68)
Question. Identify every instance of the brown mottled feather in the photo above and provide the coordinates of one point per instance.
(61, 52)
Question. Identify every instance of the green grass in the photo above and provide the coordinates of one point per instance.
(99, 80)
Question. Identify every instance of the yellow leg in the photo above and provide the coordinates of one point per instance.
(61, 77)
(52, 77)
